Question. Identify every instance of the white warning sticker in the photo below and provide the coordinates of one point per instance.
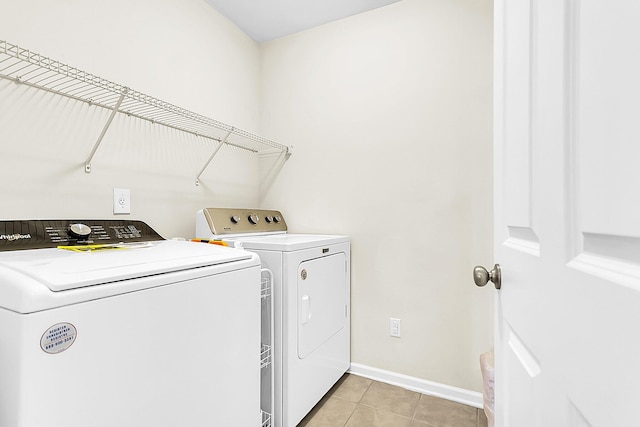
(58, 338)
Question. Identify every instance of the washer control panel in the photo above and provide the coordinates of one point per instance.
(38, 234)
(221, 221)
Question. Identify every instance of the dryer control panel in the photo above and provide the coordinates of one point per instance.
(39, 234)
(222, 221)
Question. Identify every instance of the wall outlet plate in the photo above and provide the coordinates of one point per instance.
(394, 327)
(121, 201)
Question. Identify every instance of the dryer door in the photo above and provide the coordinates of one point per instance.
(322, 301)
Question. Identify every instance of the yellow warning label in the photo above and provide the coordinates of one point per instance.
(106, 247)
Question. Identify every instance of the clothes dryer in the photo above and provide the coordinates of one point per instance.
(311, 290)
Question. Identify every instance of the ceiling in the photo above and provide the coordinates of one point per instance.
(264, 20)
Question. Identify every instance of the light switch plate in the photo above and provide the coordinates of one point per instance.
(121, 201)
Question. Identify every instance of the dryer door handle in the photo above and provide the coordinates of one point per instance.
(305, 309)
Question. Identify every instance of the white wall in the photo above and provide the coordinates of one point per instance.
(389, 113)
(180, 51)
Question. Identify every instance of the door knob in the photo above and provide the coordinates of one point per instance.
(481, 276)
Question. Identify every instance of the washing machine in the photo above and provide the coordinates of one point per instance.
(311, 291)
(104, 323)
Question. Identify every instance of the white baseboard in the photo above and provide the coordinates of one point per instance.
(455, 394)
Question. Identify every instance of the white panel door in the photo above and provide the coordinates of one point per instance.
(567, 212)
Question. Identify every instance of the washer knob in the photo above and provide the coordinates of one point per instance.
(235, 219)
(79, 231)
(277, 219)
(268, 218)
(254, 219)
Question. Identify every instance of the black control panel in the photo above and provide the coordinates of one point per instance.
(38, 234)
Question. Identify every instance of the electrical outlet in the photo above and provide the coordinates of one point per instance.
(121, 201)
(394, 327)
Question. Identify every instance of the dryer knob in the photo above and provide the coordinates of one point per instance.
(79, 231)
(235, 219)
(254, 219)
(277, 219)
(268, 218)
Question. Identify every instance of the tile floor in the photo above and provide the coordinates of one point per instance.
(360, 402)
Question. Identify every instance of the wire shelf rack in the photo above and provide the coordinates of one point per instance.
(267, 381)
(265, 287)
(265, 356)
(266, 419)
(35, 70)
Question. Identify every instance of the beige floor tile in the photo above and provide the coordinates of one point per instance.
(331, 412)
(370, 417)
(444, 413)
(482, 419)
(391, 399)
(359, 402)
(351, 388)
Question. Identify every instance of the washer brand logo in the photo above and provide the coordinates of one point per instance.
(13, 237)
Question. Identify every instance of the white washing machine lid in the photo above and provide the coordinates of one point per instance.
(288, 242)
(61, 269)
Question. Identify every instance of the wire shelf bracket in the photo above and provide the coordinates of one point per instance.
(87, 163)
(23, 66)
(215, 151)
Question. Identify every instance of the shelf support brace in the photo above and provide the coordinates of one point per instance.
(87, 163)
(215, 151)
